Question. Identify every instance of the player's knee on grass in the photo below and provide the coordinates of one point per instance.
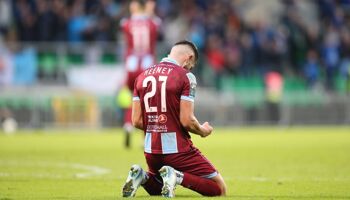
(204, 186)
(221, 183)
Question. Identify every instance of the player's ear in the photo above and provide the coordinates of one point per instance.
(192, 60)
(190, 57)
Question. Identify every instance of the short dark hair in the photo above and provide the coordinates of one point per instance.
(190, 44)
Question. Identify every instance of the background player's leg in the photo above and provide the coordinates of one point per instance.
(153, 185)
(203, 186)
(128, 128)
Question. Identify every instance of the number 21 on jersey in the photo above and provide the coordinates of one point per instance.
(150, 94)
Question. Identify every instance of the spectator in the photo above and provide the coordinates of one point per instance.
(247, 55)
(61, 15)
(6, 66)
(311, 69)
(330, 53)
(274, 50)
(296, 40)
(345, 54)
(25, 18)
(232, 51)
(260, 44)
(5, 16)
(79, 22)
(110, 8)
(216, 58)
(45, 21)
(25, 66)
(175, 27)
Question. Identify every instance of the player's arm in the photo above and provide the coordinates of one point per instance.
(187, 117)
(190, 122)
(136, 116)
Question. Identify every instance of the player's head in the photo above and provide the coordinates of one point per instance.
(150, 7)
(137, 6)
(186, 52)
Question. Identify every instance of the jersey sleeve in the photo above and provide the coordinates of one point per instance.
(123, 22)
(157, 21)
(135, 96)
(189, 89)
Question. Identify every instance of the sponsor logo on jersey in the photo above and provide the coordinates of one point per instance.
(162, 119)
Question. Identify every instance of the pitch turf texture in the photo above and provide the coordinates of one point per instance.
(257, 163)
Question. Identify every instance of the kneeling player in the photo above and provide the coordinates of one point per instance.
(163, 108)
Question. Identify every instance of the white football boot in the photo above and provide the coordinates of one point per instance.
(135, 178)
(168, 175)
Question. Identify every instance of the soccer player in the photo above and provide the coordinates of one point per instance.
(141, 32)
(163, 107)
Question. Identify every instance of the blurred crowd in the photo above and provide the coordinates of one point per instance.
(309, 39)
(63, 20)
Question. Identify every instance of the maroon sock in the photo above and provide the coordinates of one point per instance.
(203, 186)
(153, 185)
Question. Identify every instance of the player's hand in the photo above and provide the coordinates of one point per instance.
(207, 129)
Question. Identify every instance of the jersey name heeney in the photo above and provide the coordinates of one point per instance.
(158, 70)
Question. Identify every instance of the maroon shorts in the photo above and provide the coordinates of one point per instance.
(192, 162)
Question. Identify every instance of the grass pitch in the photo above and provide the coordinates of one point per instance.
(257, 163)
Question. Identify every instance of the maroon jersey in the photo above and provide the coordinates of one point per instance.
(159, 90)
(141, 36)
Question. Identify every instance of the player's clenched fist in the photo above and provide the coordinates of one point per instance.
(207, 129)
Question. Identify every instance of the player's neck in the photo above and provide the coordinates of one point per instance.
(139, 14)
(171, 60)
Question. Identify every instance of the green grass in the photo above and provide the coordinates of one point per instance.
(257, 163)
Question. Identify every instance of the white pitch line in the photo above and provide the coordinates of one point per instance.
(91, 170)
(35, 175)
(88, 170)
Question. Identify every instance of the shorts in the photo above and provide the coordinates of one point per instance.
(192, 162)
